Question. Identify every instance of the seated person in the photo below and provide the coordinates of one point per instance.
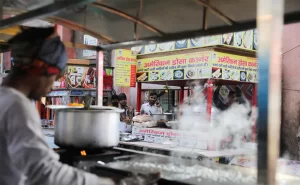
(127, 115)
(114, 101)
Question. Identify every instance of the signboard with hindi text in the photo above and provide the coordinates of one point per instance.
(175, 67)
(125, 69)
(199, 65)
(234, 67)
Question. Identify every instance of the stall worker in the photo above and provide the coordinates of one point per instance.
(115, 101)
(153, 105)
(25, 157)
(127, 115)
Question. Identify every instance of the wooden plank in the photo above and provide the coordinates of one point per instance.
(79, 62)
(11, 31)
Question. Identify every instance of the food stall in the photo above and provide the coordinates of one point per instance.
(227, 59)
(207, 61)
(199, 18)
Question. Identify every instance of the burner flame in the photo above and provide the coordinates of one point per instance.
(83, 153)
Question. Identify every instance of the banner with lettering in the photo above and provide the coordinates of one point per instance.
(234, 67)
(125, 69)
(175, 67)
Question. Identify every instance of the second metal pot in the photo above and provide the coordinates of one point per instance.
(167, 116)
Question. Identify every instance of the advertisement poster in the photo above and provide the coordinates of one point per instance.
(176, 67)
(61, 83)
(81, 77)
(125, 69)
(234, 67)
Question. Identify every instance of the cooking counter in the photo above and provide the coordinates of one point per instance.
(193, 172)
(145, 146)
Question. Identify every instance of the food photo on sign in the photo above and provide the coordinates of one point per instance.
(178, 74)
(142, 76)
(181, 44)
(216, 72)
(227, 39)
(190, 74)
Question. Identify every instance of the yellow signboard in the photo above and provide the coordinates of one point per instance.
(200, 65)
(125, 69)
(234, 67)
(175, 67)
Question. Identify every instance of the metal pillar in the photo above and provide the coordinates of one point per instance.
(2, 63)
(210, 92)
(270, 26)
(99, 64)
(181, 95)
(139, 97)
(254, 95)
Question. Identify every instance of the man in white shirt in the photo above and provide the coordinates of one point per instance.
(153, 105)
(25, 157)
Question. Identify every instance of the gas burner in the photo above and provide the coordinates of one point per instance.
(80, 152)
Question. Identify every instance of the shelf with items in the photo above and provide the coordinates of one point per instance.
(77, 82)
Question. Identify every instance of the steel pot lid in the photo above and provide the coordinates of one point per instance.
(81, 108)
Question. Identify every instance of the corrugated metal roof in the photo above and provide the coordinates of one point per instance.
(116, 21)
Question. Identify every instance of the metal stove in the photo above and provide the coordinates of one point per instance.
(118, 163)
(98, 162)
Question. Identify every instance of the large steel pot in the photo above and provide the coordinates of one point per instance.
(94, 128)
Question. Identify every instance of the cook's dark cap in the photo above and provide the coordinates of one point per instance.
(38, 43)
(122, 96)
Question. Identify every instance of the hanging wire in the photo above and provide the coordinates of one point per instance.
(138, 14)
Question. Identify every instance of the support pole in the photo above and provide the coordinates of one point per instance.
(2, 63)
(181, 95)
(210, 92)
(100, 62)
(254, 95)
(139, 97)
(270, 27)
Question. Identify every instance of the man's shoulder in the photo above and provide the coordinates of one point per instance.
(10, 97)
(145, 104)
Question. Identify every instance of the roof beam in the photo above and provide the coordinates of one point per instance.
(44, 11)
(127, 16)
(215, 11)
(78, 27)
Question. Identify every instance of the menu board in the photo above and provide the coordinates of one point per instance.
(200, 65)
(125, 69)
(81, 77)
(234, 67)
(175, 67)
